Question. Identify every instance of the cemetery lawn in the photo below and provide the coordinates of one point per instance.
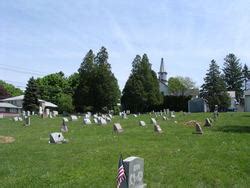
(176, 158)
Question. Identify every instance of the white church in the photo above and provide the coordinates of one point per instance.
(162, 78)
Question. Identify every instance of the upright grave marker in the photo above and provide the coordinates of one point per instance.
(117, 128)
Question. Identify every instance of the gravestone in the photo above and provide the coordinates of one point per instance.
(110, 116)
(134, 168)
(15, 119)
(103, 121)
(135, 115)
(28, 113)
(56, 138)
(172, 114)
(20, 119)
(86, 121)
(142, 123)
(164, 118)
(65, 119)
(124, 115)
(64, 127)
(33, 113)
(108, 119)
(40, 111)
(198, 128)
(216, 111)
(168, 111)
(95, 120)
(55, 113)
(24, 113)
(117, 128)
(153, 121)
(50, 115)
(157, 128)
(47, 112)
(207, 123)
(26, 120)
(73, 118)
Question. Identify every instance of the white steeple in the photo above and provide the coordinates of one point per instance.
(162, 74)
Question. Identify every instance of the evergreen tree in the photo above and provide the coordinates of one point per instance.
(83, 99)
(233, 74)
(141, 92)
(214, 88)
(30, 101)
(246, 75)
(104, 88)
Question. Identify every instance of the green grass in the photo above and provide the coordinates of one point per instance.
(176, 158)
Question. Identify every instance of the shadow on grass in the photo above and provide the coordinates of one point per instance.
(234, 129)
(247, 116)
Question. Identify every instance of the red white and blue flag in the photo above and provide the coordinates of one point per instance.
(121, 176)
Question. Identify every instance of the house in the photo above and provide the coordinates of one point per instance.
(13, 103)
(233, 101)
(9, 110)
(247, 100)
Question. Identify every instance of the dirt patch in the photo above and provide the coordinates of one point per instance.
(6, 139)
(191, 123)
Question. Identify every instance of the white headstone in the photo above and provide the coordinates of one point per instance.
(117, 128)
(20, 119)
(95, 120)
(28, 113)
(65, 119)
(142, 123)
(86, 121)
(56, 138)
(47, 112)
(73, 118)
(154, 121)
(103, 121)
(157, 128)
(15, 119)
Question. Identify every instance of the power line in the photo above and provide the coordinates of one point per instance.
(21, 71)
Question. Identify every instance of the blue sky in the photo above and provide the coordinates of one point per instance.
(45, 36)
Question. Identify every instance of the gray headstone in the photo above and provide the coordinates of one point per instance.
(198, 128)
(142, 123)
(65, 119)
(26, 120)
(117, 128)
(208, 123)
(103, 121)
(134, 168)
(15, 119)
(157, 128)
(73, 118)
(64, 127)
(164, 118)
(20, 119)
(56, 138)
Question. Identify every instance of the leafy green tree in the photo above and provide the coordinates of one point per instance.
(83, 99)
(65, 103)
(30, 101)
(52, 86)
(105, 91)
(233, 74)
(214, 88)
(3, 93)
(141, 92)
(175, 86)
(11, 89)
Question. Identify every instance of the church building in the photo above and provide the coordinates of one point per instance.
(162, 78)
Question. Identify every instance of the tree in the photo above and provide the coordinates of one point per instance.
(65, 103)
(233, 74)
(3, 93)
(182, 86)
(141, 92)
(83, 99)
(104, 89)
(30, 101)
(246, 75)
(214, 88)
(52, 86)
(11, 89)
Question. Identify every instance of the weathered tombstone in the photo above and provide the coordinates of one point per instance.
(73, 118)
(135, 115)
(65, 119)
(157, 128)
(216, 111)
(172, 114)
(108, 119)
(40, 111)
(64, 127)
(164, 118)
(26, 120)
(142, 123)
(56, 138)
(95, 120)
(208, 123)
(153, 121)
(20, 119)
(50, 115)
(28, 113)
(103, 121)
(117, 128)
(55, 113)
(124, 115)
(47, 112)
(134, 168)
(86, 121)
(24, 113)
(33, 113)
(167, 111)
(110, 116)
(198, 128)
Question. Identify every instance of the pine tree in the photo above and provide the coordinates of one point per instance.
(30, 101)
(141, 92)
(214, 88)
(233, 74)
(83, 99)
(246, 75)
(104, 88)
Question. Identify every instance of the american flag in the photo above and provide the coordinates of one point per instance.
(121, 177)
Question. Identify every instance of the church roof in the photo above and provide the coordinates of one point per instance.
(162, 69)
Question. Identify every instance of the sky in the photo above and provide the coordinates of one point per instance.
(40, 37)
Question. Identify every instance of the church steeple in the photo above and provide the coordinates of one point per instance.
(162, 74)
